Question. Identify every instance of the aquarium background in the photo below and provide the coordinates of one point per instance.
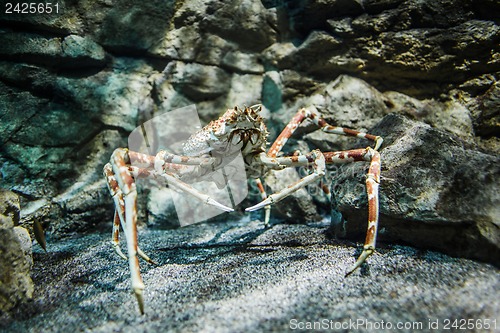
(75, 82)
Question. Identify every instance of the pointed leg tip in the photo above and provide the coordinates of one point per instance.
(119, 252)
(361, 260)
(350, 271)
(214, 203)
(145, 257)
(140, 299)
(257, 206)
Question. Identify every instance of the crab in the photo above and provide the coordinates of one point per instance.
(238, 130)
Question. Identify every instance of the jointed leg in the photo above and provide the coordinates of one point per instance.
(349, 156)
(372, 184)
(317, 160)
(263, 195)
(119, 217)
(301, 115)
(120, 162)
(369, 154)
(116, 236)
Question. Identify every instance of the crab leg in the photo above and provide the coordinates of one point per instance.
(372, 184)
(117, 196)
(164, 157)
(301, 115)
(263, 195)
(340, 157)
(319, 171)
(120, 161)
(369, 154)
(194, 192)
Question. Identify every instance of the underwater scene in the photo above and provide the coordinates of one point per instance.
(249, 165)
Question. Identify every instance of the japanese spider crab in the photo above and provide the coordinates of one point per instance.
(237, 130)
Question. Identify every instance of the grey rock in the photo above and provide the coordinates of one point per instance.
(130, 28)
(436, 191)
(440, 53)
(16, 286)
(245, 22)
(198, 82)
(71, 52)
(346, 102)
(295, 208)
(451, 115)
(243, 62)
(9, 208)
(84, 50)
(238, 276)
(422, 46)
(63, 20)
(28, 76)
(486, 112)
(314, 14)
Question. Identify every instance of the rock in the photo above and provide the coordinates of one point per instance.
(83, 50)
(245, 22)
(62, 19)
(161, 209)
(451, 115)
(16, 286)
(486, 112)
(346, 102)
(422, 47)
(9, 208)
(443, 54)
(314, 14)
(198, 82)
(299, 205)
(71, 52)
(243, 62)
(28, 76)
(129, 28)
(436, 191)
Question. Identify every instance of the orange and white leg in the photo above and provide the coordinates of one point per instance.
(119, 216)
(372, 184)
(373, 176)
(341, 157)
(120, 162)
(303, 114)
